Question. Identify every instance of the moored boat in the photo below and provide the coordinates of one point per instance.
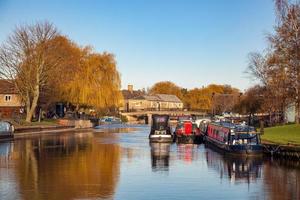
(233, 138)
(187, 132)
(6, 130)
(160, 129)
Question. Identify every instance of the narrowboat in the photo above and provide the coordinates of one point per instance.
(6, 130)
(187, 132)
(160, 129)
(233, 138)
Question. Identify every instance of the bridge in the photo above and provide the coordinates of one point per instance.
(146, 116)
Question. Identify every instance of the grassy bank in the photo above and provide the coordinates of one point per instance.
(287, 134)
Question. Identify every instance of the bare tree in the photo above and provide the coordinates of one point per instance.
(279, 69)
(25, 59)
(281, 7)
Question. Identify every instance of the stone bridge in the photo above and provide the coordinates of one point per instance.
(146, 116)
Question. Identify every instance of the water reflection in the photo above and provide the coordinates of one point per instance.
(5, 149)
(66, 167)
(115, 165)
(282, 179)
(236, 169)
(160, 156)
(187, 152)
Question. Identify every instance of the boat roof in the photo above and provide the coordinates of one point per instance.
(236, 127)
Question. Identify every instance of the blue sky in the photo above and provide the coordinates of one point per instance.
(190, 42)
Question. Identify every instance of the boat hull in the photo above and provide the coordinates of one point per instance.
(161, 138)
(185, 139)
(235, 149)
(8, 136)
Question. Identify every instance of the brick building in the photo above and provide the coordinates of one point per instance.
(10, 101)
(137, 100)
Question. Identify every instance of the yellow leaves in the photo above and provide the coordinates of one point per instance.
(166, 87)
(96, 83)
(195, 99)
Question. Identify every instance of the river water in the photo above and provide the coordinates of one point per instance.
(121, 164)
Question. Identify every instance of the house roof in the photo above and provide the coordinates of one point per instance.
(169, 98)
(160, 97)
(130, 95)
(148, 97)
(7, 87)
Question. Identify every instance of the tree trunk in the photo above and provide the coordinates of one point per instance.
(33, 105)
(28, 117)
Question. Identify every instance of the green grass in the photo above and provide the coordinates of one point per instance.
(286, 134)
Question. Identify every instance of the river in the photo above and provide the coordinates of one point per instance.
(120, 163)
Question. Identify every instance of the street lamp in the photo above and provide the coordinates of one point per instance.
(212, 104)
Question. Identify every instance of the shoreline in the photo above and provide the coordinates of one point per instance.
(19, 135)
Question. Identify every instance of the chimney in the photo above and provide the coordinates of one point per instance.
(130, 88)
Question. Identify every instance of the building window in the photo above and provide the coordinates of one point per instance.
(7, 98)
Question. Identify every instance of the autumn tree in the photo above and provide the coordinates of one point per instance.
(96, 82)
(279, 68)
(219, 98)
(166, 87)
(47, 67)
(25, 59)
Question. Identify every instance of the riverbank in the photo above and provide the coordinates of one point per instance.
(282, 135)
(22, 132)
(282, 141)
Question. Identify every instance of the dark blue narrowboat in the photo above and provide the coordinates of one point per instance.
(160, 129)
(6, 130)
(233, 138)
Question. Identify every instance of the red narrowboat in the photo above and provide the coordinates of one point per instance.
(187, 132)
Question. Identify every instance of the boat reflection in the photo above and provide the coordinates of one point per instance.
(160, 156)
(238, 169)
(187, 152)
(5, 149)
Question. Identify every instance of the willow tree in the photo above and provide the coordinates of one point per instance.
(96, 82)
(26, 61)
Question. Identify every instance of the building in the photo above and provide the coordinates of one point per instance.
(153, 102)
(10, 101)
(290, 113)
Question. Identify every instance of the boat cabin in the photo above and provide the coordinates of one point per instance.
(186, 128)
(160, 124)
(233, 134)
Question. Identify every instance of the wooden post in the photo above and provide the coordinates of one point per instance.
(261, 123)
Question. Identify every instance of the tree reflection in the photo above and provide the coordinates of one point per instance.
(160, 156)
(238, 169)
(67, 167)
(282, 179)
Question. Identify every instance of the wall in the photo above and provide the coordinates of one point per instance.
(141, 104)
(290, 113)
(8, 108)
(14, 102)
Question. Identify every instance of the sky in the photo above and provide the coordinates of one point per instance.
(192, 43)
